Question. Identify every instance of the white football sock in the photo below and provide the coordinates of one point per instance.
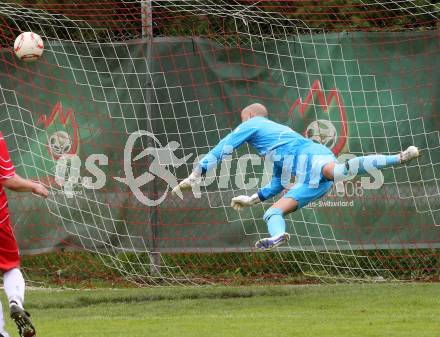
(2, 321)
(13, 283)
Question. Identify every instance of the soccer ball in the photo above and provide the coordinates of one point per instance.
(322, 131)
(60, 143)
(28, 46)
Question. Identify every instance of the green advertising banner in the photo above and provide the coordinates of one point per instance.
(91, 120)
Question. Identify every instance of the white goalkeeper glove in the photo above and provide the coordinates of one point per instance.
(187, 184)
(242, 201)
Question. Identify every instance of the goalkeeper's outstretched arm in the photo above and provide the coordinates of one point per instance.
(224, 148)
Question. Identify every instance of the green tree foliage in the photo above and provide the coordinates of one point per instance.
(330, 15)
(123, 20)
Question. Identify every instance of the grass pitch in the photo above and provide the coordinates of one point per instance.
(380, 310)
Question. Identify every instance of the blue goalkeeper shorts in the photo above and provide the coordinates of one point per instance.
(310, 184)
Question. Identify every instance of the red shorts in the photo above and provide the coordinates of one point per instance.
(9, 257)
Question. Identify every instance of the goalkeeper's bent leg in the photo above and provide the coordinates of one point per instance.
(276, 225)
(275, 221)
(277, 229)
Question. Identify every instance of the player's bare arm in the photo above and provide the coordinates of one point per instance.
(19, 184)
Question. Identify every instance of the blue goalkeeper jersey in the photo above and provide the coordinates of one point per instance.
(262, 134)
(266, 137)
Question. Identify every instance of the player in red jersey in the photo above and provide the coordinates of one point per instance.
(13, 280)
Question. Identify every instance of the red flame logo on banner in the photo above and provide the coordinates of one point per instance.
(58, 114)
(316, 91)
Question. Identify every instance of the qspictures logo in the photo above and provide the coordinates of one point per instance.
(163, 159)
(320, 118)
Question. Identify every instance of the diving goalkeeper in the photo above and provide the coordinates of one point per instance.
(314, 166)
